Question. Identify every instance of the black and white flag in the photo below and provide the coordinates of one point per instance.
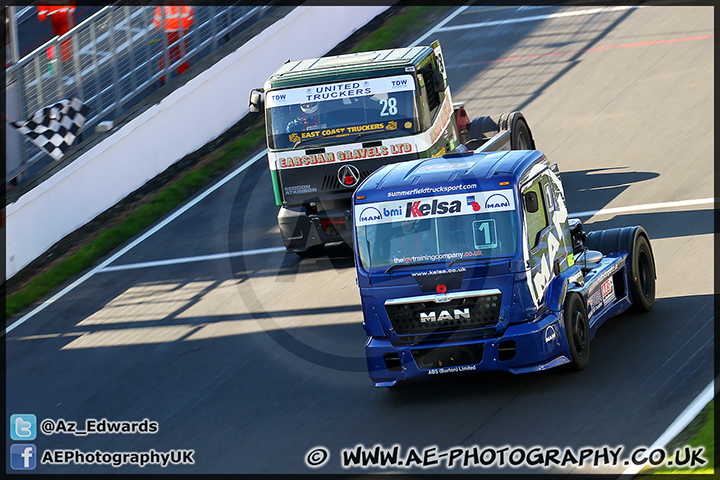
(54, 128)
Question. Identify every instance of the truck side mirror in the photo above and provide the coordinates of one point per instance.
(531, 202)
(255, 103)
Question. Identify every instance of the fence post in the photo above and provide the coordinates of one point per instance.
(148, 26)
(76, 60)
(165, 44)
(38, 83)
(130, 49)
(96, 67)
(114, 60)
(60, 72)
(213, 26)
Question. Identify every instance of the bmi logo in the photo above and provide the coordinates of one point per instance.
(392, 212)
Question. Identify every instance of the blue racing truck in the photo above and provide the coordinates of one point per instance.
(469, 262)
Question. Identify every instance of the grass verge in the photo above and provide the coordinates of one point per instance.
(699, 433)
(394, 30)
(412, 20)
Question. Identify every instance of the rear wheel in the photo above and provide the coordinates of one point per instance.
(520, 138)
(640, 265)
(642, 276)
(577, 331)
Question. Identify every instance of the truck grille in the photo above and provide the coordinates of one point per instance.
(458, 314)
(331, 182)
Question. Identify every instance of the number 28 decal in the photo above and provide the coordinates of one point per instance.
(389, 106)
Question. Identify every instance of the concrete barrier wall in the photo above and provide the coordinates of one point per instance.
(182, 122)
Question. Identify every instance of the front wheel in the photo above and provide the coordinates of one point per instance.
(642, 276)
(577, 332)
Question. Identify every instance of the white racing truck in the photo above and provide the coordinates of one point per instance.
(333, 121)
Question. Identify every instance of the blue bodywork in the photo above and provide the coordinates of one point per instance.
(523, 332)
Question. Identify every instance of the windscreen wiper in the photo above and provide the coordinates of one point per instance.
(486, 263)
(411, 264)
(303, 141)
(367, 134)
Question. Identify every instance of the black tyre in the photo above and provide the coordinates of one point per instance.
(521, 138)
(641, 264)
(577, 331)
(642, 276)
(611, 240)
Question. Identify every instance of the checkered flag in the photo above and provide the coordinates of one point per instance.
(54, 128)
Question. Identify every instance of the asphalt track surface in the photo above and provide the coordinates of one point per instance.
(254, 360)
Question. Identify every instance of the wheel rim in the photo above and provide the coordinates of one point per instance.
(579, 332)
(522, 141)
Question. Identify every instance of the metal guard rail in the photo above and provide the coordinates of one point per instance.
(111, 59)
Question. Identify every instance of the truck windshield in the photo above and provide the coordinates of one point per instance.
(345, 112)
(476, 236)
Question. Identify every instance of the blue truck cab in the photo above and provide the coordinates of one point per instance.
(469, 262)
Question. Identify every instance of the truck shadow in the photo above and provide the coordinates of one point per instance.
(626, 357)
(683, 223)
(595, 188)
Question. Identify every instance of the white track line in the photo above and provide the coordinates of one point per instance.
(437, 27)
(137, 241)
(534, 18)
(642, 208)
(262, 251)
(680, 423)
(200, 258)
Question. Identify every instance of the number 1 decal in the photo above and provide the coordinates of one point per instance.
(484, 233)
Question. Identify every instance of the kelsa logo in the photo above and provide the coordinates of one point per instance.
(497, 201)
(370, 214)
(416, 209)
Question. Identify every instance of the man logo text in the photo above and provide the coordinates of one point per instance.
(370, 214)
(445, 315)
(497, 201)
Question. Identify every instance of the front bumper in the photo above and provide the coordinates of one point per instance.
(526, 347)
